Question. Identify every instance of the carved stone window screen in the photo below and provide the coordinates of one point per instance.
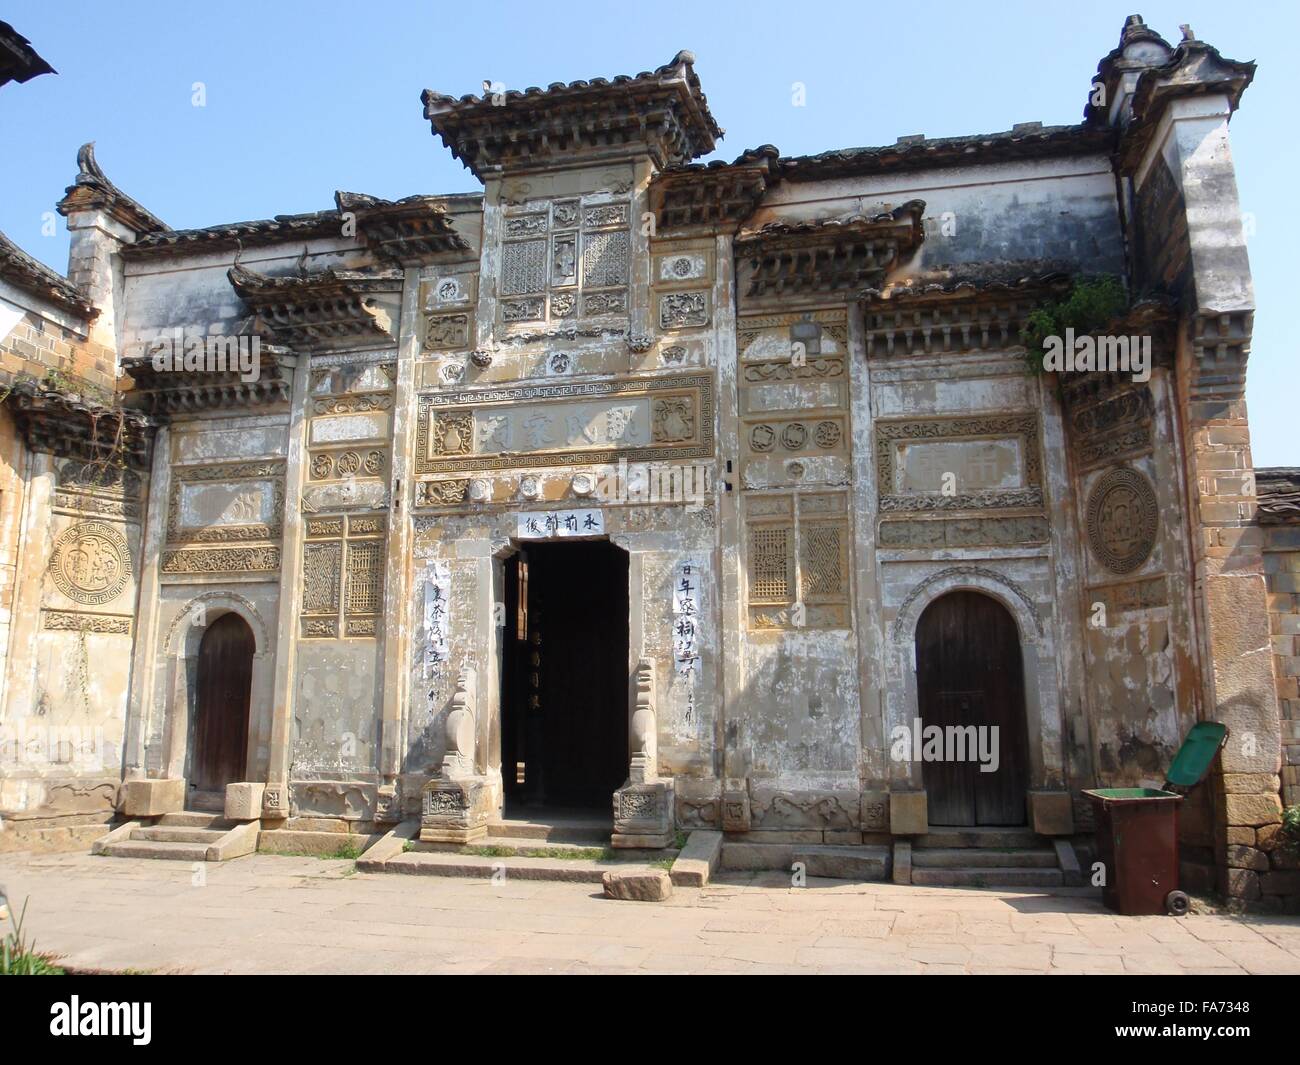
(565, 260)
(343, 576)
(798, 554)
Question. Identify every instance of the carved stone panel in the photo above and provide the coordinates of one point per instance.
(965, 463)
(90, 563)
(565, 424)
(226, 502)
(1122, 519)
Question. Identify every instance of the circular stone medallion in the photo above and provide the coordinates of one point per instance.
(91, 563)
(1122, 519)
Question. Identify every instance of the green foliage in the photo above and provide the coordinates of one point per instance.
(19, 958)
(1091, 304)
(347, 849)
(1291, 822)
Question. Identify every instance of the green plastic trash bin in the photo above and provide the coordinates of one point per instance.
(1137, 830)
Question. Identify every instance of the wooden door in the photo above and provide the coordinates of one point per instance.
(565, 737)
(968, 672)
(225, 677)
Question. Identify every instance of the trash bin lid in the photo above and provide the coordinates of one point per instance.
(1193, 759)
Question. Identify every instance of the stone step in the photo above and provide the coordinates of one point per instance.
(439, 863)
(181, 852)
(172, 834)
(196, 819)
(989, 876)
(592, 831)
(342, 845)
(839, 862)
(978, 836)
(505, 846)
(984, 858)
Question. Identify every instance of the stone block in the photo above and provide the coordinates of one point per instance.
(1250, 783)
(1280, 883)
(455, 811)
(643, 814)
(1243, 884)
(244, 801)
(1244, 837)
(1051, 813)
(735, 811)
(1247, 858)
(152, 798)
(275, 802)
(874, 811)
(638, 886)
(698, 859)
(908, 813)
(1252, 810)
(902, 861)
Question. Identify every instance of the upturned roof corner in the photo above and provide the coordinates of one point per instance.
(92, 189)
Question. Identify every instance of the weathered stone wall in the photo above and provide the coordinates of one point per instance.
(1282, 574)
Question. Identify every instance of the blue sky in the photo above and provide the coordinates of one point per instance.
(306, 98)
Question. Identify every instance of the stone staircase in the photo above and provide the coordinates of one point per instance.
(193, 836)
(551, 845)
(985, 857)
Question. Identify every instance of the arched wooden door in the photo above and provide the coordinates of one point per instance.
(968, 672)
(225, 677)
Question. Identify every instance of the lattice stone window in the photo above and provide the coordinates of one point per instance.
(343, 576)
(564, 260)
(798, 560)
(771, 564)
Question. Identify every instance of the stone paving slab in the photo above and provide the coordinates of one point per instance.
(275, 914)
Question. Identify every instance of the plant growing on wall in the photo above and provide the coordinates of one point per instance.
(1091, 304)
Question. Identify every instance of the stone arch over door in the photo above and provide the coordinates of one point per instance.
(181, 654)
(1038, 651)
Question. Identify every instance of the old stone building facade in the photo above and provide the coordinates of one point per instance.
(678, 487)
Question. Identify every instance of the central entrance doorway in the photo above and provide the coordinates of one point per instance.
(565, 675)
(968, 673)
(223, 687)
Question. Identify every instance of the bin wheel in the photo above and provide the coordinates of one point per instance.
(1177, 903)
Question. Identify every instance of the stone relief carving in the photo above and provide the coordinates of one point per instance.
(90, 563)
(70, 621)
(904, 622)
(221, 560)
(683, 310)
(238, 521)
(889, 434)
(1122, 519)
(564, 423)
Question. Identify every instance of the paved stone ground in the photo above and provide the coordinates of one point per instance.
(272, 914)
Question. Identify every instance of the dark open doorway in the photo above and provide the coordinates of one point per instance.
(564, 700)
(968, 673)
(224, 683)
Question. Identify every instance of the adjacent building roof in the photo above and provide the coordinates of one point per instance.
(24, 272)
(18, 59)
(1029, 140)
(1278, 491)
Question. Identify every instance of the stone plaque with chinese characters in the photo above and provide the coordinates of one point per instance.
(560, 524)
